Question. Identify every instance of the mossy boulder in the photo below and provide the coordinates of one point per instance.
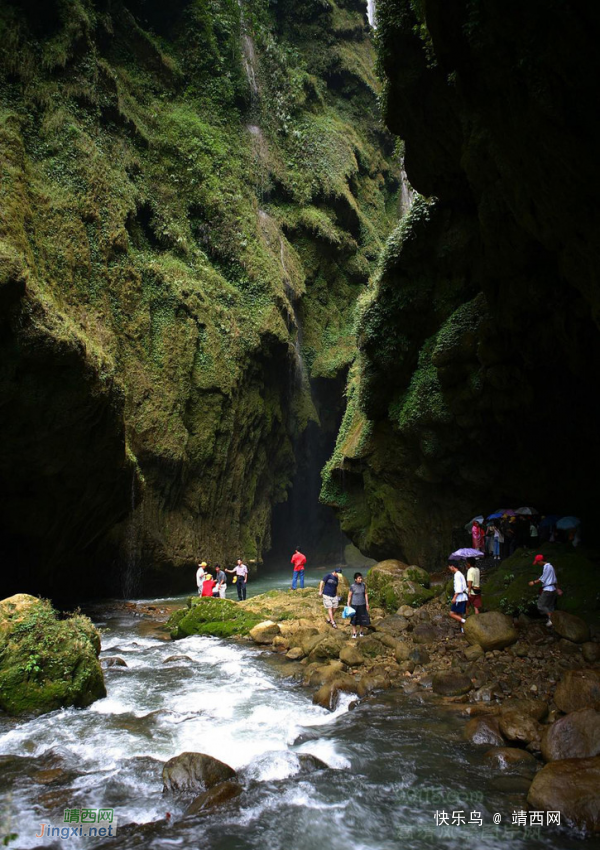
(217, 617)
(45, 662)
(393, 584)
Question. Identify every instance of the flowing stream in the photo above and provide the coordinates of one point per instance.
(393, 760)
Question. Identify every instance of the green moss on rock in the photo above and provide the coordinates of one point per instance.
(217, 617)
(45, 662)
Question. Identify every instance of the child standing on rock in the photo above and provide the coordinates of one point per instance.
(358, 598)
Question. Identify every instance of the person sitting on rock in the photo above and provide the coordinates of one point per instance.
(460, 598)
(328, 590)
(547, 600)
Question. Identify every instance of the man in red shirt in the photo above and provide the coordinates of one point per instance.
(298, 560)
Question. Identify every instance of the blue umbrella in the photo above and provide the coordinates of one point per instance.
(461, 554)
(568, 522)
(549, 520)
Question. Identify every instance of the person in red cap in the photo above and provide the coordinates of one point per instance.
(547, 600)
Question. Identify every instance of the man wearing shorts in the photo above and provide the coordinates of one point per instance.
(547, 601)
(328, 590)
(459, 600)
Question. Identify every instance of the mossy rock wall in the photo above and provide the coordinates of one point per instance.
(188, 200)
(478, 343)
(46, 663)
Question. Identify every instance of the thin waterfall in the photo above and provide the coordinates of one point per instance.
(133, 564)
(371, 13)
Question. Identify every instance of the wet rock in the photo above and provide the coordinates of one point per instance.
(194, 772)
(374, 681)
(263, 633)
(577, 735)
(472, 653)
(519, 727)
(570, 627)
(352, 656)
(591, 651)
(328, 694)
(451, 683)
(578, 689)
(572, 787)
(324, 673)
(490, 630)
(280, 643)
(310, 763)
(173, 659)
(113, 661)
(51, 776)
(216, 796)
(511, 758)
(484, 730)
(295, 653)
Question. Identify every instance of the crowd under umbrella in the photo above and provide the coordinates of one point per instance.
(549, 520)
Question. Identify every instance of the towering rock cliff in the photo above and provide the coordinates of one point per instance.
(479, 352)
(192, 197)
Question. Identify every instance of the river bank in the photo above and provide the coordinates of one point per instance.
(393, 759)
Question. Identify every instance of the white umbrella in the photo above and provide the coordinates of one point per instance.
(469, 525)
(526, 512)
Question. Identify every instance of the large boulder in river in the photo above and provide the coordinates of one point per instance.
(511, 759)
(491, 630)
(213, 797)
(484, 730)
(195, 772)
(570, 627)
(574, 736)
(328, 694)
(392, 584)
(578, 689)
(571, 787)
(46, 663)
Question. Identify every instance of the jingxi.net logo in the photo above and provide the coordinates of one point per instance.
(90, 823)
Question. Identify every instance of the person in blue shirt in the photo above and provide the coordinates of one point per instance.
(328, 589)
(547, 600)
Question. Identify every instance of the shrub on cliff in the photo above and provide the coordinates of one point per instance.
(45, 662)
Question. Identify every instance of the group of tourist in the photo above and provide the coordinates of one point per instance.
(499, 537)
(467, 591)
(217, 585)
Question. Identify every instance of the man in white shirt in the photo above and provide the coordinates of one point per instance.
(459, 600)
(200, 574)
(547, 600)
